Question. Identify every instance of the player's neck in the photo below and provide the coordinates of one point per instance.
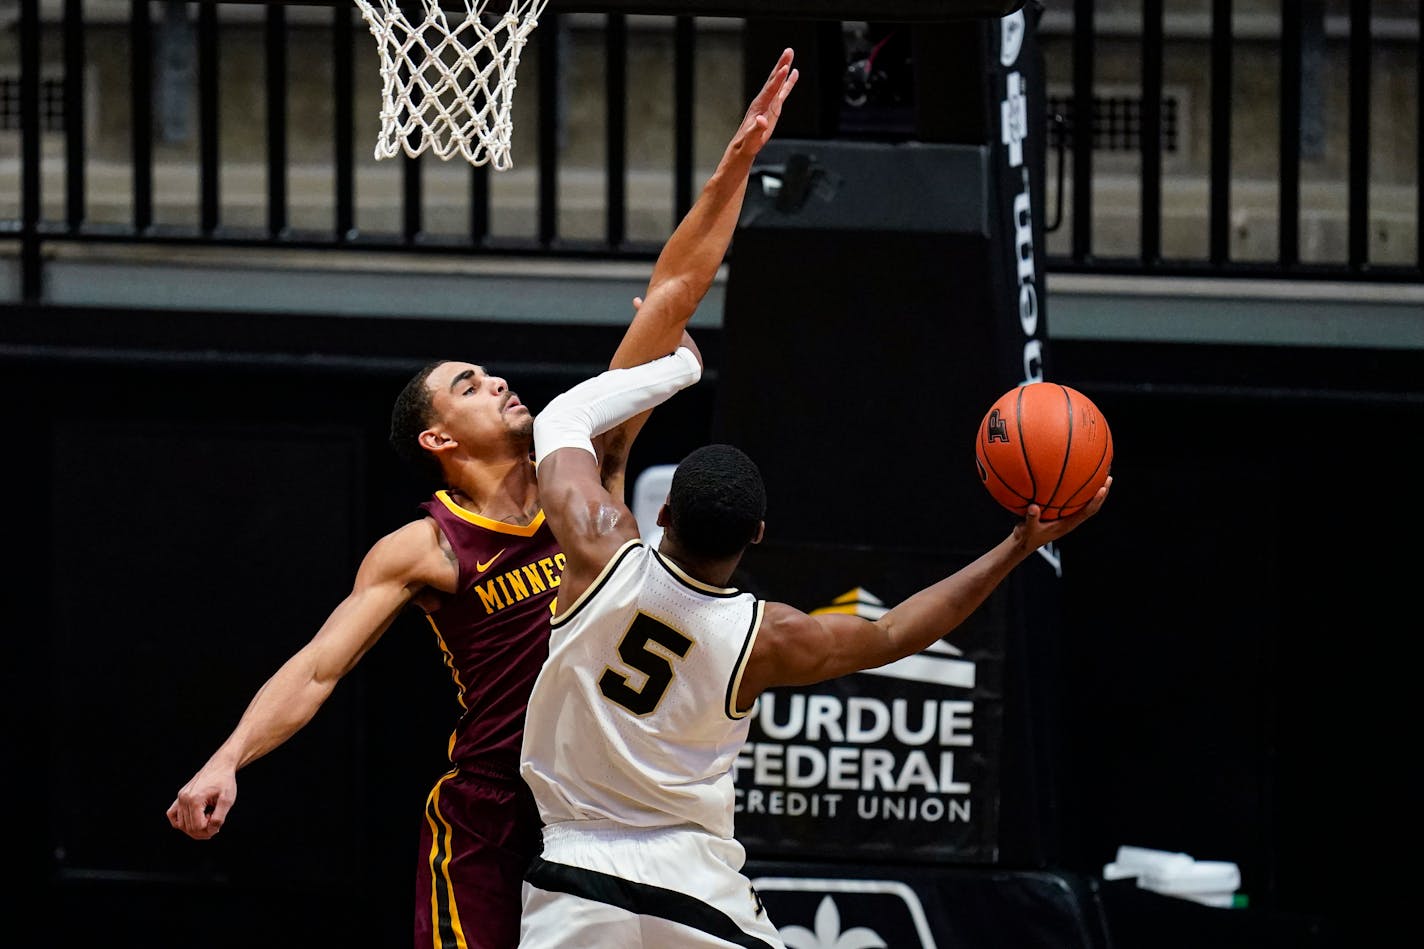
(716, 572)
(502, 491)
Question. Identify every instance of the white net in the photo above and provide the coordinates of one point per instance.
(447, 82)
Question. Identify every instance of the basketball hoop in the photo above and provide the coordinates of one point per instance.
(447, 84)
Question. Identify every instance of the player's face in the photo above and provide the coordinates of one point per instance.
(477, 407)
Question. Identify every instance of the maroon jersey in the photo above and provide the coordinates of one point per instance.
(494, 629)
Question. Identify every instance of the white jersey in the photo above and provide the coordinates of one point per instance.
(633, 717)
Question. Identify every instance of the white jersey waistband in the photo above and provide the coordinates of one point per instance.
(608, 831)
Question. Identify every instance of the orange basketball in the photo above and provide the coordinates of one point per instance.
(1046, 444)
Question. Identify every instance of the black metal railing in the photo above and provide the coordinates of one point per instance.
(1297, 21)
(1078, 249)
(35, 229)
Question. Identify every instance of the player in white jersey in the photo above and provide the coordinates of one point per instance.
(646, 612)
(654, 667)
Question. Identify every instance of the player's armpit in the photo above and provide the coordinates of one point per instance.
(415, 556)
(795, 648)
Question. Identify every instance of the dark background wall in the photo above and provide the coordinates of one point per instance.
(1227, 669)
(182, 515)
(186, 495)
(184, 508)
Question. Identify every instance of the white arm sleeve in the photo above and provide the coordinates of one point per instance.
(608, 400)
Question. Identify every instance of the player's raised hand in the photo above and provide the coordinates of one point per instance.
(765, 110)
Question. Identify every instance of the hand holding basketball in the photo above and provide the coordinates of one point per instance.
(1046, 444)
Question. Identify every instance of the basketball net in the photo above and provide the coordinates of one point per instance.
(447, 84)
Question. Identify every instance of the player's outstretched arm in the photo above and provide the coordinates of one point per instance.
(589, 521)
(793, 648)
(396, 567)
(689, 260)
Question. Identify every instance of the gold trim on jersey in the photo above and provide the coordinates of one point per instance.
(691, 581)
(741, 666)
(445, 912)
(454, 674)
(599, 580)
(489, 523)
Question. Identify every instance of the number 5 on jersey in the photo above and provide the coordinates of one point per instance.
(636, 653)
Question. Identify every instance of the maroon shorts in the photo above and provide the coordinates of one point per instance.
(477, 838)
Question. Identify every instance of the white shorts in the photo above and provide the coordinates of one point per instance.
(600, 884)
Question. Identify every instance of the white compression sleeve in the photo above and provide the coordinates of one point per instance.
(608, 400)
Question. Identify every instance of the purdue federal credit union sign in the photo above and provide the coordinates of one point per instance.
(897, 763)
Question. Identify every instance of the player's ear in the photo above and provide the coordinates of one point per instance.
(760, 532)
(663, 516)
(431, 440)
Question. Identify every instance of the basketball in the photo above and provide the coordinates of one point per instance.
(1046, 444)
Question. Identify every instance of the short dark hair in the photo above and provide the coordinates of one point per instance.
(717, 501)
(411, 415)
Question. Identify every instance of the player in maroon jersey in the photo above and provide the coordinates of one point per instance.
(485, 568)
